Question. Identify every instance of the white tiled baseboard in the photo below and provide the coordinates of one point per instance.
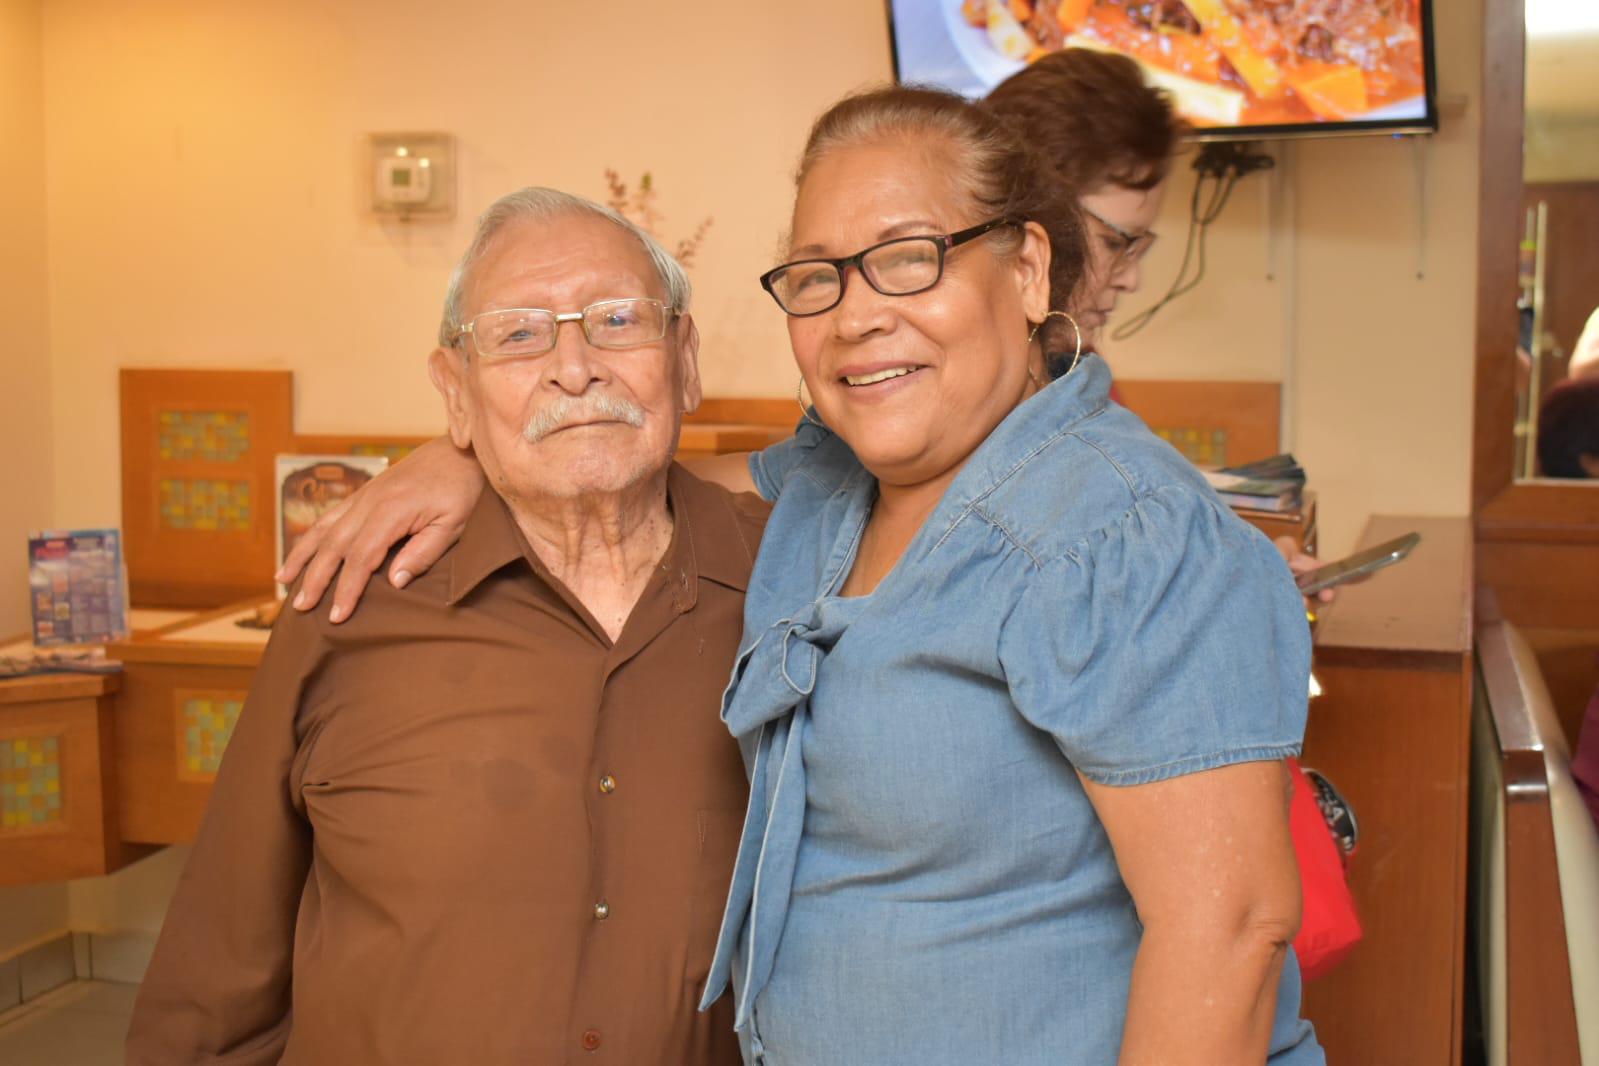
(64, 957)
(10, 983)
(37, 969)
(119, 956)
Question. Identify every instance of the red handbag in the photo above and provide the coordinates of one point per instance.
(1324, 832)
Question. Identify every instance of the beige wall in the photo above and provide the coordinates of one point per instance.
(205, 198)
(1376, 362)
(29, 913)
(207, 212)
(26, 484)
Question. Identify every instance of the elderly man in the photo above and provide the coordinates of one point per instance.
(491, 819)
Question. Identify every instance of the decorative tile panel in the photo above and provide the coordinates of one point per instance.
(30, 783)
(1203, 447)
(205, 725)
(205, 505)
(204, 436)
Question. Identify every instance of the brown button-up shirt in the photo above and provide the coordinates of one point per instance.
(466, 827)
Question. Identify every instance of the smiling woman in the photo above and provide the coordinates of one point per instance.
(1014, 686)
(936, 238)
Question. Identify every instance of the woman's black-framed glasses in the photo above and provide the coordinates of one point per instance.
(903, 266)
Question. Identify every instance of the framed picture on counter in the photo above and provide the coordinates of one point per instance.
(308, 486)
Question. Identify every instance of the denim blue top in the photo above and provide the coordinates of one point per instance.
(921, 878)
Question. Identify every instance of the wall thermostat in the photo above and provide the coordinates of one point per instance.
(412, 175)
(404, 181)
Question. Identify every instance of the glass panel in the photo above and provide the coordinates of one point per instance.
(1557, 353)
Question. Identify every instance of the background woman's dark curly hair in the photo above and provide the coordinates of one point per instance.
(1568, 430)
(1091, 116)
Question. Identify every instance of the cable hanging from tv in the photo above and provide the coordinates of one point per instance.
(1220, 164)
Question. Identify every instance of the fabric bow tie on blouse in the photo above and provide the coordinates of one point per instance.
(770, 694)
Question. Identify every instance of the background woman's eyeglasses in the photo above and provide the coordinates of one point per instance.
(900, 267)
(1126, 246)
(519, 332)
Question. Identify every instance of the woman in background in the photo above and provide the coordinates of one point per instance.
(1109, 139)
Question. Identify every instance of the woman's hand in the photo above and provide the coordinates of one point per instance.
(427, 496)
(1210, 865)
(1300, 563)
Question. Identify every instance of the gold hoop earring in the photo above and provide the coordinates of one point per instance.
(799, 398)
(1076, 355)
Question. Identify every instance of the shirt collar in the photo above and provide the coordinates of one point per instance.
(709, 540)
(715, 538)
(1052, 412)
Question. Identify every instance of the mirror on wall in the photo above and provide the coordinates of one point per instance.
(1557, 354)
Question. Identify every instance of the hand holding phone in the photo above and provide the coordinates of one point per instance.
(1357, 566)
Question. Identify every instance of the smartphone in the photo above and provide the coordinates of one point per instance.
(1357, 566)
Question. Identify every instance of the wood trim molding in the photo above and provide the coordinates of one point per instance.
(1541, 1013)
(746, 411)
(1500, 160)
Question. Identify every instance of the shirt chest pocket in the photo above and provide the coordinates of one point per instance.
(718, 833)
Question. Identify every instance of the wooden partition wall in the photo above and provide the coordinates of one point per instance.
(1392, 731)
(1213, 423)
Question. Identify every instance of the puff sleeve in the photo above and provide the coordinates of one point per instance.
(1168, 642)
(771, 467)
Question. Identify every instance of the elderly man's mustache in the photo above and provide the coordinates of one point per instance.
(574, 411)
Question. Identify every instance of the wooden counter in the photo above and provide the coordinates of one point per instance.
(1392, 731)
(182, 689)
(58, 807)
(58, 803)
(60, 794)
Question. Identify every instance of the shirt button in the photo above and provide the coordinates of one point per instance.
(602, 911)
(591, 1040)
(607, 784)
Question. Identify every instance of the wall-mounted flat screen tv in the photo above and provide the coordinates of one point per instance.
(1236, 69)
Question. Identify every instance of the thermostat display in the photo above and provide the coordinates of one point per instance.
(403, 180)
(411, 175)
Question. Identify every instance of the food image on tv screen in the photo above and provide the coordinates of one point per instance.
(1227, 63)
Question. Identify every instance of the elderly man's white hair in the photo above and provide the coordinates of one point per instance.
(543, 204)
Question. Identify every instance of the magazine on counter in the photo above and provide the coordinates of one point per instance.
(79, 586)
